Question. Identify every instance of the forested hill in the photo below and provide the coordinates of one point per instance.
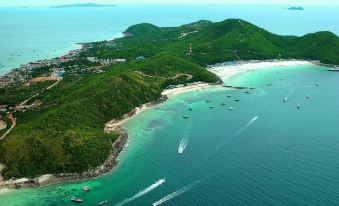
(232, 39)
(64, 131)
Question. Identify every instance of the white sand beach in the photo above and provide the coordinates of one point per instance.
(226, 71)
(190, 87)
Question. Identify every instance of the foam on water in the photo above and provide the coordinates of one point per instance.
(175, 194)
(143, 192)
(183, 144)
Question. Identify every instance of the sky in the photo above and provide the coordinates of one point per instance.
(10, 3)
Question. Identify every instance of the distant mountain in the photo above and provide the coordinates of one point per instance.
(86, 5)
(296, 8)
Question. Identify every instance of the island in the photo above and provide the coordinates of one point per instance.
(86, 5)
(296, 8)
(63, 114)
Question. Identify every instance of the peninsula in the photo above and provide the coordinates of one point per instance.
(86, 5)
(57, 109)
(296, 8)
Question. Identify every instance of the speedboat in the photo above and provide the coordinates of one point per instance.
(86, 188)
(76, 199)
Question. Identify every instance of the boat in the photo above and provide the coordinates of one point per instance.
(86, 188)
(269, 85)
(223, 104)
(190, 109)
(103, 202)
(229, 96)
(285, 99)
(247, 92)
(180, 150)
(307, 96)
(237, 100)
(298, 106)
(317, 84)
(185, 117)
(211, 107)
(240, 87)
(231, 108)
(208, 101)
(77, 199)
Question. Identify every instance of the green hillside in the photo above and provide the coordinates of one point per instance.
(65, 133)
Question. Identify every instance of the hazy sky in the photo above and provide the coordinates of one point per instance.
(5, 3)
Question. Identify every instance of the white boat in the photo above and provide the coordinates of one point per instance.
(285, 99)
(180, 150)
(76, 199)
(298, 106)
(307, 96)
(86, 188)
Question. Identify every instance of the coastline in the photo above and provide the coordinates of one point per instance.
(226, 71)
(115, 125)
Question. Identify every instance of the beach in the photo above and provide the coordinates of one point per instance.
(226, 71)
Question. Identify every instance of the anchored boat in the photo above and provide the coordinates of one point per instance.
(86, 188)
(76, 199)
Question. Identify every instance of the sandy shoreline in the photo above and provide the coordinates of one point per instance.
(115, 125)
(226, 71)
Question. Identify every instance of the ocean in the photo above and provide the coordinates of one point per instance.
(29, 34)
(263, 152)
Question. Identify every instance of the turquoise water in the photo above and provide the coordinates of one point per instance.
(264, 152)
(37, 33)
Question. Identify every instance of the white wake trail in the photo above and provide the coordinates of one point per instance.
(143, 192)
(184, 141)
(174, 194)
(246, 126)
(290, 94)
(183, 144)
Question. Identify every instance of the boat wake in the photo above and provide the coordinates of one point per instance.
(289, 94)
(183, 144)
(175, 194)
(143, 192)
(254, 119)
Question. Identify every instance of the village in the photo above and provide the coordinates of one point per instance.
(51, 71)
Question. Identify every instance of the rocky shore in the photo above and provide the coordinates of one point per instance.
(105, 168)
(114, 126)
